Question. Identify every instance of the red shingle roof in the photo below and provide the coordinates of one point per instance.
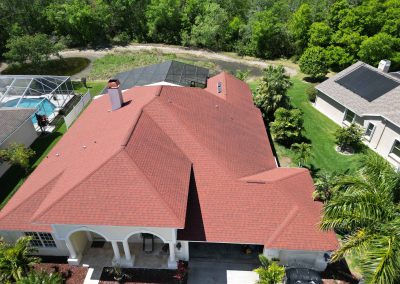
(140, 159)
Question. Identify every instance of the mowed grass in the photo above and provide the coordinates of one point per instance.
(56, 67)
(320, 130)
(95, 87)
(107, 66)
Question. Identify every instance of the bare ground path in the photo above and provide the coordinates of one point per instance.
(199, 53)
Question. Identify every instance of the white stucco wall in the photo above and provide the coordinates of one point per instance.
(330, 108)
(183, 252)
(60, 250)
(80, 241)
(296, 258)
(26, 134)
(115, 233)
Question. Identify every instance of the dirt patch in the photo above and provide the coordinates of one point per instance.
(71, 274)
(285, 162)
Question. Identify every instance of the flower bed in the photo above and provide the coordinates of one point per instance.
(70, 274)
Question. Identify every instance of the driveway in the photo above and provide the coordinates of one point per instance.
(211, 264)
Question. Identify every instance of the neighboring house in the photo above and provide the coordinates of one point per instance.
(16, 126)
(144, 174)
(172, 73)
(370, 97)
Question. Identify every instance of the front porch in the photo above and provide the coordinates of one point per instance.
(139, 250)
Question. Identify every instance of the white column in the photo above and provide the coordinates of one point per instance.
(171, 252)
(116, 250)
(71, 249)
(127, 251)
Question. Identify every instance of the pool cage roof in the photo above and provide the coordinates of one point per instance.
(19, 86)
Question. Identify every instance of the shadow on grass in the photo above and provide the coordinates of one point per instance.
(57, 67)
(15, 176)
(314, 80)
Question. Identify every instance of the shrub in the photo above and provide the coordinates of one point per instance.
(349, 138)
(313, 62)
(269, 272)
(287, 126)
(303, 152)
(17, 154)
(311, 92)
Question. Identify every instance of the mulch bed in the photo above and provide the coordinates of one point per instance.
(139, 276)
(71, 274)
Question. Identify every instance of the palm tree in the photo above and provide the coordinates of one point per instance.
(16, 259)
(272, 91)
(303, 152)
(367, 208)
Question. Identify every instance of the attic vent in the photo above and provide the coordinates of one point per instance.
(219, 87)
(256, 181)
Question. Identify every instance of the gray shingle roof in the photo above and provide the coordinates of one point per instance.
(386, 105)
(11, 119)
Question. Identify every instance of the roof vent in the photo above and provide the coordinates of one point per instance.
(115, 94)
(219, 87)
(384, 65)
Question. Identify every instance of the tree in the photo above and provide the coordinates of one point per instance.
(242, 74)
(41, 277)
(325, 183)
(337, 58)
(164, 20)
(36, 48)
(367, 209)
(303, 152)
(287, 127)
(17, 154)
(313, 62)
(272, 91)
(320, 34)
(299, 25)
(349, 137)
(266, 36)
(16, 259)
(269, 272)
(376, 48)
(84, 22)
(210, 28)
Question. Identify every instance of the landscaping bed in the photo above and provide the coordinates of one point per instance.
(139, 275)
(70, 274)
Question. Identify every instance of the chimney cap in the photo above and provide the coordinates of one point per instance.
(113, 84)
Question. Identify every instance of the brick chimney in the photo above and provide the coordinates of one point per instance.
(115, 94)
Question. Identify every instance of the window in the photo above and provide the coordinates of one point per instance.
(41, 239)
(396, 148)
(370, 130)
(349, 116)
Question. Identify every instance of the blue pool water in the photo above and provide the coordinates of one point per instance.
(44, 106)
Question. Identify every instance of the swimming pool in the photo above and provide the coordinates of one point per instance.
(44, 106)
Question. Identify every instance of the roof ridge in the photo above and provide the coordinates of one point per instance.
(28, 198)
(152, 185)
(39, 214)
(288, 219)
(298, 171)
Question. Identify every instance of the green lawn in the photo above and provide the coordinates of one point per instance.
(95, 87)
(111, 64)
(56, 67)
(320, 130)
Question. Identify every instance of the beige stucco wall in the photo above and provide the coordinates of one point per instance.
(330, 108)
(26, 134)
(80, 241)
(311, 259)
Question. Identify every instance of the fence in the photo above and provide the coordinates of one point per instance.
(74, 113)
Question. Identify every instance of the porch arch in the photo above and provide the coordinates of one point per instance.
(85, 229)
(144, 232)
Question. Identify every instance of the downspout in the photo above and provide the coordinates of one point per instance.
(380, 137)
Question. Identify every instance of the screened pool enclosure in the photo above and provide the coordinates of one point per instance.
(48, 94)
